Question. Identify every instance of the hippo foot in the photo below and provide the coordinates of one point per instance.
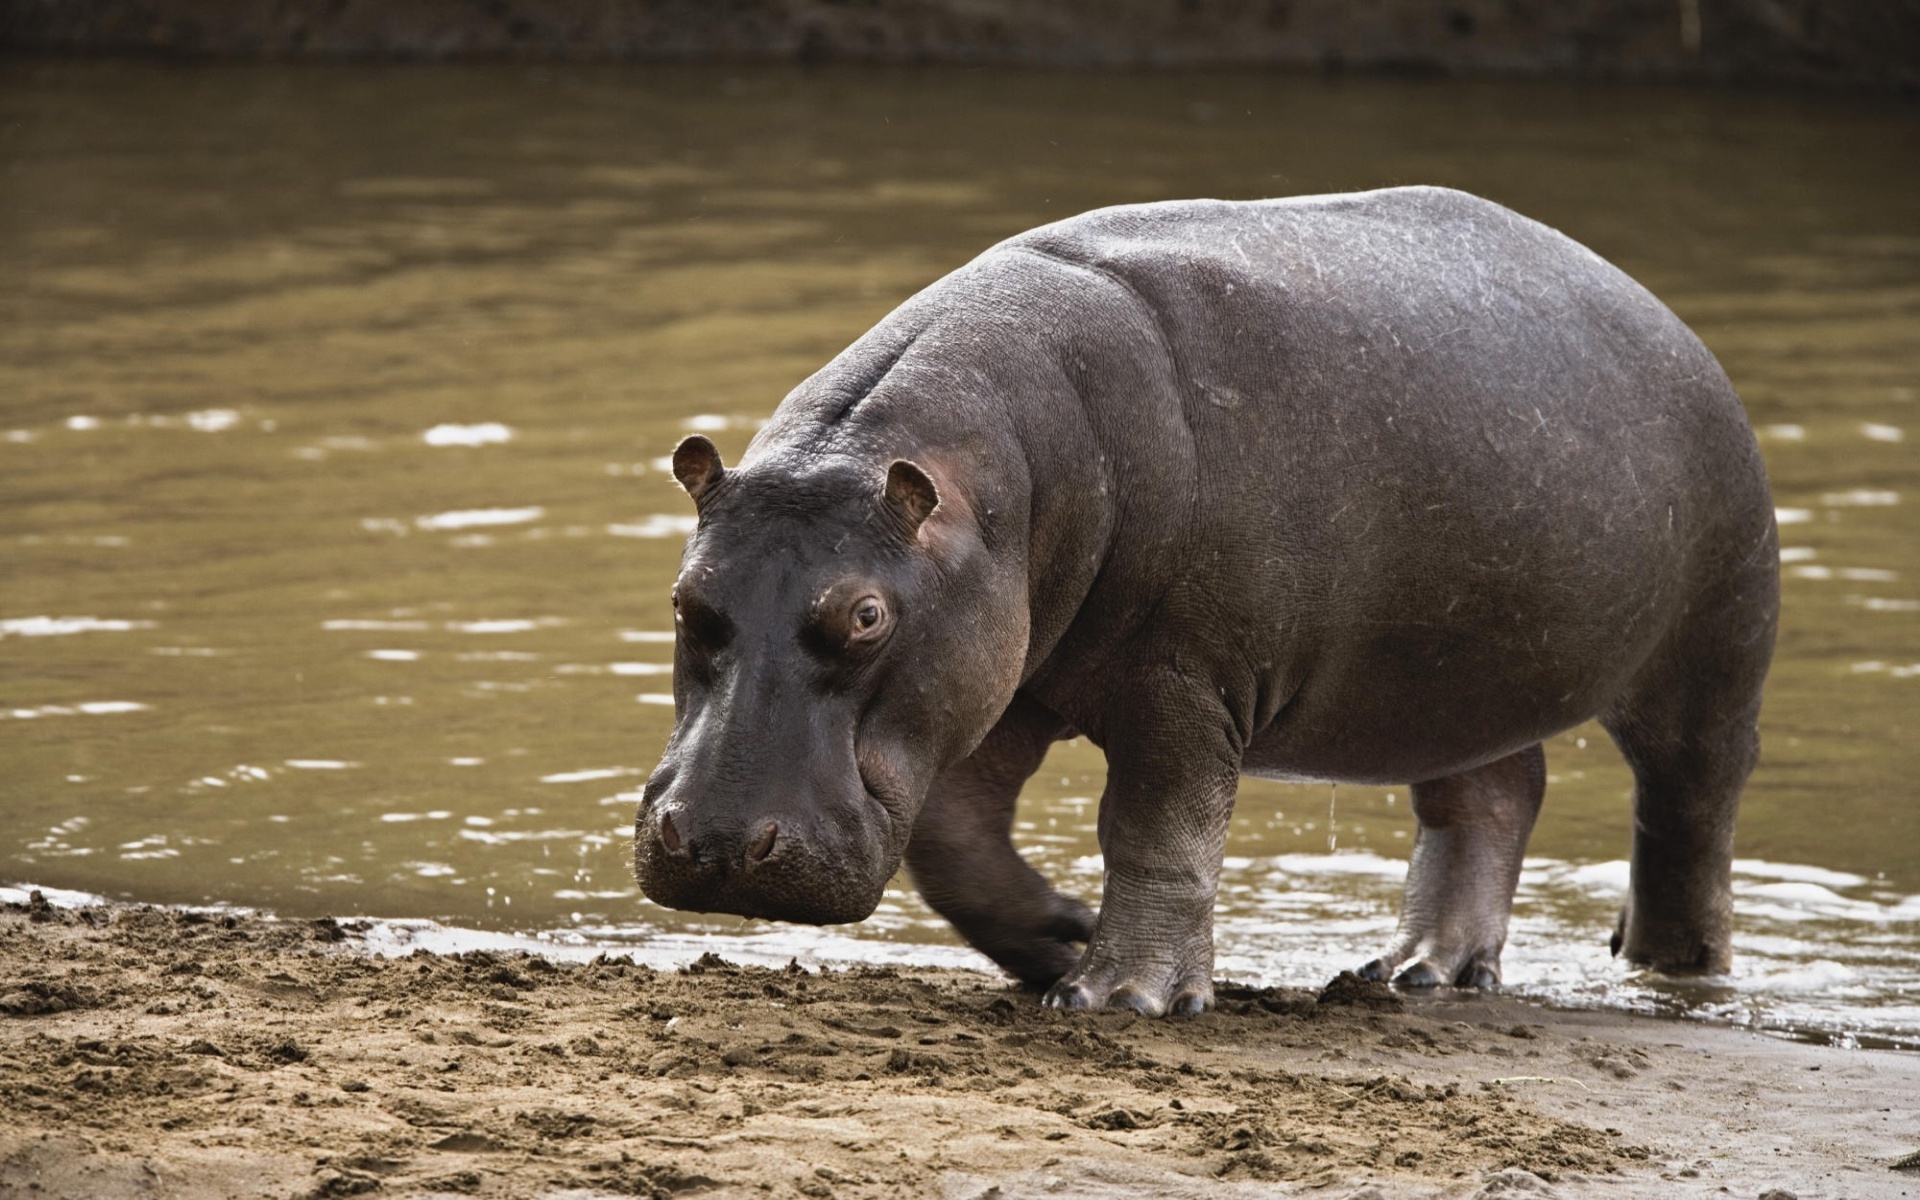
(1152, 989)
(1675, 948)
(1479, 971)
(1450, 951)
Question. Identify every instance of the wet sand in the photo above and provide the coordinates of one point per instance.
(151, 1052)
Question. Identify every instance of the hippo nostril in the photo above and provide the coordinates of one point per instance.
(669, 836)
(764, 846)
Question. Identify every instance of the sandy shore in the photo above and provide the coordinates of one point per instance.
(148, 1052)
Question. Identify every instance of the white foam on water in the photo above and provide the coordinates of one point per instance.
(212, 420)
(595, 773)
(468, 518)
(1860, 497)
(1883, 604)
(66, 626)
(383, 626)
(1814, 977)
(656, 525)
(1609, 878)
(90, 708)
(58, 897)
(487, 433)
(1351, 862)
(501, 625)
(509, 836)
(1762, 869)
(762, 945)
(154, 846)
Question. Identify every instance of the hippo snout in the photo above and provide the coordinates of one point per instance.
(778, 864)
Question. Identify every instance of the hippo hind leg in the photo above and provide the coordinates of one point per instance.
(1472, 835)
(1690, 753)
(1688, 728)
(1678, 917)
(963, 861)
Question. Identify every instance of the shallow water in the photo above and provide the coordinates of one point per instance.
(337, 537)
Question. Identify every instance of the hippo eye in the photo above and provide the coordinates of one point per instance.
(701, 625)
(868, 613)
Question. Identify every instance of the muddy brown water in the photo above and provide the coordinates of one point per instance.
(335, 540)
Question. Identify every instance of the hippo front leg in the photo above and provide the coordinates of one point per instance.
(964, 863)
(1171, 779)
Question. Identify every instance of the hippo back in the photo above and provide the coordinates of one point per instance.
(1408, 465)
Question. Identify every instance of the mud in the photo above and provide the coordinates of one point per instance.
(159, 1052)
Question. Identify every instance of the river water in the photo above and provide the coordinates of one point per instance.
(335, 535)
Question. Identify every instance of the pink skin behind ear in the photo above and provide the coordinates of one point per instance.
(910, 494)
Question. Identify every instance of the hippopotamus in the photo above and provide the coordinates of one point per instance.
(1380, 488)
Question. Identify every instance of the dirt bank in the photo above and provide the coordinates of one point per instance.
(1858, 43)
(159, 1053)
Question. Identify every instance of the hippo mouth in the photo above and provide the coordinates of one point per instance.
(886, 794)
(806, 903)
(771, 867)
(791, 883)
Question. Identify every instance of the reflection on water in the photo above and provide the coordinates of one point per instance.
(335, 407)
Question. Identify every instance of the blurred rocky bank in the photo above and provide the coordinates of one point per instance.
(1864, 44)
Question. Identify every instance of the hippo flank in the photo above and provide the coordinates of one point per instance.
(1379, 488)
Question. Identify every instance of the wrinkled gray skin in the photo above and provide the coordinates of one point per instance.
(1378, 488)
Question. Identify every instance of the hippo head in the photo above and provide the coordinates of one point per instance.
(843, 633)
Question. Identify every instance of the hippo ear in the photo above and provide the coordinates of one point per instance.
(696, 464)
(910, 496)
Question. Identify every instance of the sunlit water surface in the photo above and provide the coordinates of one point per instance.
(337, 535)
